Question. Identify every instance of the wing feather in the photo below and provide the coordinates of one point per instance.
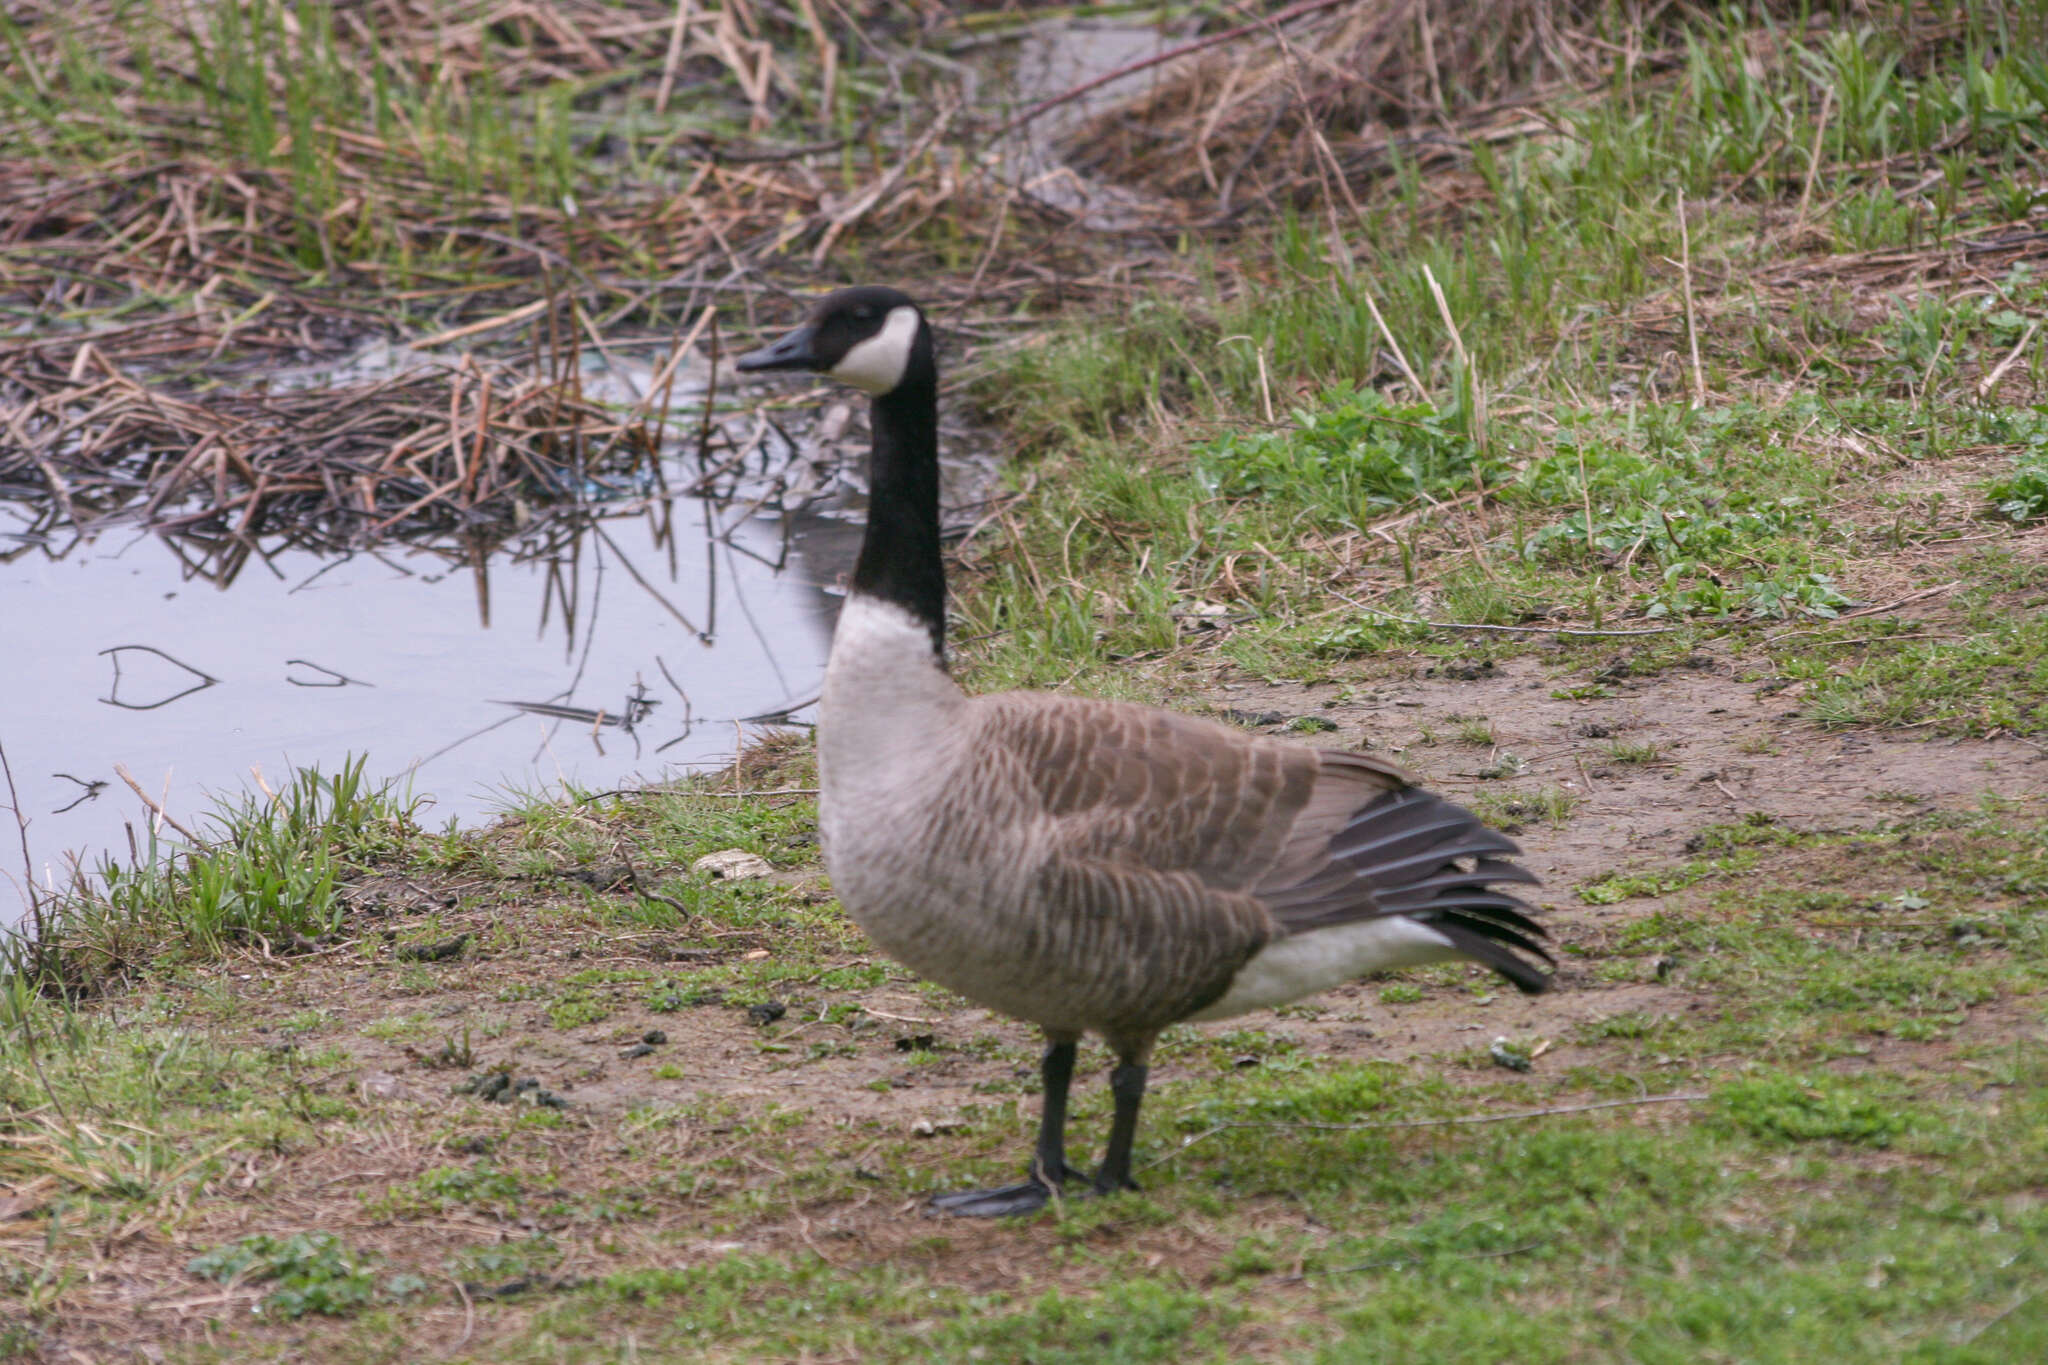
(1182, 847)
(1410, 852)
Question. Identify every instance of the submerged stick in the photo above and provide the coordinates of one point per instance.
(28, 865)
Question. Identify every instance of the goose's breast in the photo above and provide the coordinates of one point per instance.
(948, 892)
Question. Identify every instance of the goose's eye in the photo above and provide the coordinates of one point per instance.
(864, 314)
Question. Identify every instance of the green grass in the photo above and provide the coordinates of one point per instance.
(1838, 1024)
(313, 1273)
(1570, 225)
(1474, 730)
(352, 117)
(1514, 808)
(1607, 494)
(267, 870)
(1759, 1237)
(447, 1187)
(1898, 933)
(1634, 752)
(1986, 672)
(1332, 1202)
(2022, 495)
(1700, 518)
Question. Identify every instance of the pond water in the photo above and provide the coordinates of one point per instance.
(629, 645)
(634, 643)
(1062, 55)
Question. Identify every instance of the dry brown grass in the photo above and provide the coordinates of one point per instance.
(1320, 108)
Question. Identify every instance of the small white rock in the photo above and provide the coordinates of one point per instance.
(732, 865)
(381, 1085)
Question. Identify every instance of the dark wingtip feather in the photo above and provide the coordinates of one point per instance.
(1417, 855)
(1524, 975)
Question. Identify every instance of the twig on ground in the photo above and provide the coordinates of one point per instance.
(1400, 358)
(1692, 331)
(1571, 631)
(1392, 1261)
(1827, 104)
(640, 888)
(898, 1018)
(1685, 1097)
(1877, 610)
(1988, 385)
(471, 329)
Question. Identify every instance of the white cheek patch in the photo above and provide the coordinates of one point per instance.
(877, 364)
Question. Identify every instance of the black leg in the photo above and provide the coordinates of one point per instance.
(1048, 1162)
(1127, 1087)
(1056, 1070)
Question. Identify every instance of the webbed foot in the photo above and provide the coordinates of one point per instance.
(1029, 1196)
(1107, 1182)
(1010, 1201)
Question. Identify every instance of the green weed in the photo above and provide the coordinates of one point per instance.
(2024, 495)
(574, 1009)
(1636, 752)
(315, 1272)
(1350, 456)
(270, 873)
(1512, 809)
(1810, 1109)
(1474, 730)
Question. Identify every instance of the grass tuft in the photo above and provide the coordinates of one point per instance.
(270, 874)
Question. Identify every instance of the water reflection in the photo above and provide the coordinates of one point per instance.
(614, 645)
(193, 679)
(611, 630)
(574, 662)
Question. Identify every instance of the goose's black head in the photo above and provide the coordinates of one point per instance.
(872, 337)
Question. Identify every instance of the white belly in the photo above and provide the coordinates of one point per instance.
(1303, 964)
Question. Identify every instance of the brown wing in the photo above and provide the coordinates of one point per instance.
(1315, 838)
(1137, 949)
(1148, 830)
(1155, 789)
(1184, 846)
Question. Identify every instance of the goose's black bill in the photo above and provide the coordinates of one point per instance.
(797, 351)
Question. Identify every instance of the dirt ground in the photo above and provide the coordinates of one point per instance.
(665, 1129)
(918, 1073)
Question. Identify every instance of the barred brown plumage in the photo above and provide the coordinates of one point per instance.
(1093, 866)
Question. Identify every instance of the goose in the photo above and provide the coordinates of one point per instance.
(1089, 866)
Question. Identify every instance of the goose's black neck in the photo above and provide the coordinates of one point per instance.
(899, 556)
